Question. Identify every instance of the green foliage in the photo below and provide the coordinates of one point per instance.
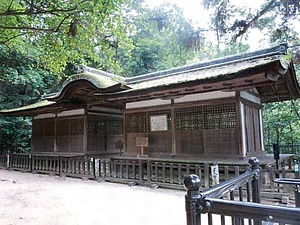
(22, 82)
(282, 122)
(61, 32)
(22, 79)
(15, 135)
(162, 39)
(233, 22)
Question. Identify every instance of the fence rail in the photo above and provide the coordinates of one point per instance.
(139, 171)
(225, 203)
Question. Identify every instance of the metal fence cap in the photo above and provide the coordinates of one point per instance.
(192, 182)
(254, 163)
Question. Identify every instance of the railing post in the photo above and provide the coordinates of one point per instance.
(8, 161)
(297, 196)
(192, 184)
(141, 171)
(206, 175)
(256, 184)
(60, 165)
(30, 163)
(93, 170)
(149, 171)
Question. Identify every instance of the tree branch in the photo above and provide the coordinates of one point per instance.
(13, 37)
(10, 12)
(254, 19)
(32, 28)
(28, 28)
(11, 2)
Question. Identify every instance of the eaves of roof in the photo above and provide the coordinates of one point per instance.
(222, 71)
(110, 87)
(28, 108)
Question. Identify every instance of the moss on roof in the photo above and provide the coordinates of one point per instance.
(203, 73)
(39, 104)
(99, 81)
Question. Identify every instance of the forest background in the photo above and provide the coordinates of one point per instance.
(42, 43)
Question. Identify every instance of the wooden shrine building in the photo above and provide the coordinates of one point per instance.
(207, 109)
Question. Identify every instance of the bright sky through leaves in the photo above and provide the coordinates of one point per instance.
(194, 11)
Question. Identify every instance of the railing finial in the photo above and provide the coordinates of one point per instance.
(254, 163)
(192, 182)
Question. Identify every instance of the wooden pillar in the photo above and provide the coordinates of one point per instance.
(240, 118)
(124, 133)
(55, 133)
(85, 130)
(173, 127)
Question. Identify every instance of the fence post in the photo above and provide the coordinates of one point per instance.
(8, 161)
(141, 171)
(149, 171)
(60, 165)
(206, 175)
(192, 184)
(297, 196)
(30, 163)
(256, 184)
(94, 175)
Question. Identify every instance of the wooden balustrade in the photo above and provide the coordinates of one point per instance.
(158, 172)
(3, 161)
(21, 162)
(78, 167)
(45, 164)
(137, 171)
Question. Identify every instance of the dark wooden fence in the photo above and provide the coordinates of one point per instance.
(235, 201)
(134, 171)
(139, 171)
(73, 166)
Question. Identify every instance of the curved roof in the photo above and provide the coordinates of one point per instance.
(89, 81)
(267, 70)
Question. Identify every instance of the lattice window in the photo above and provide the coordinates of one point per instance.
(63, 127)
(49, 128)
(76, 126)
(96, 127)
(37, 128)
(136, 123)
(221, 116)
(189, 118)
(166, 113)
(114, 127)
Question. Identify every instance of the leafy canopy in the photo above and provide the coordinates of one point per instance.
(22, 82)
(276, 20)
(162, 38)
(59, 32)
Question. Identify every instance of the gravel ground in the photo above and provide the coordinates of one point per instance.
(36, 199)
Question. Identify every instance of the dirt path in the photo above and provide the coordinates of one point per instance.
(35, 199)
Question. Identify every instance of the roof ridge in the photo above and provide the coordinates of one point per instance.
(274, 50)
(102, 73)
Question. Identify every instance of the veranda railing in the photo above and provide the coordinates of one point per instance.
(236, 202)
(135, 171)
